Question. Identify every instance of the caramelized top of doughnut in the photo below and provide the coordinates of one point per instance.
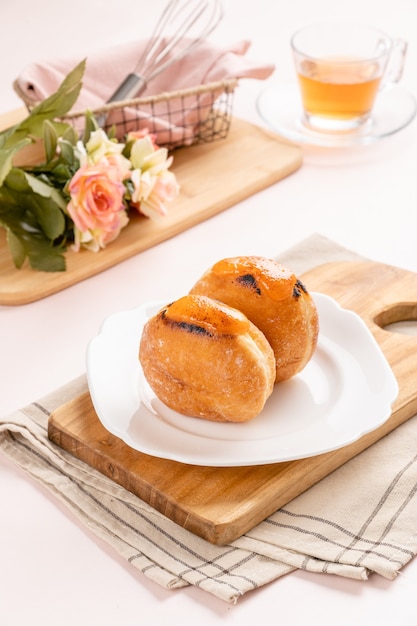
(202, 315)
(259, 273)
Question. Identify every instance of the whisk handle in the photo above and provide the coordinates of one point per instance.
(131, 87)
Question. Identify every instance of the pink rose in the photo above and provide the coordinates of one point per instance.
(134, 135)
(96, 206)
(164, 190)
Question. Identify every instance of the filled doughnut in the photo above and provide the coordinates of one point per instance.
(274, 299)
(205, 359)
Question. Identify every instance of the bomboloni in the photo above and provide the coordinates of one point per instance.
(205, 359)
(274, 299)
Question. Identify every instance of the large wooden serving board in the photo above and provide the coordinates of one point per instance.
(221, 504)
(212, 176)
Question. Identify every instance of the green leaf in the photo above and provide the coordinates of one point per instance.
(56, 106)
(61, 174)
(6, 157)
(50, 217)
(67, 152)
(44, 258)
(90, 126)
(27, 243)
(43, 205)
(70, 135)
(16, 181)
(46, 191)
(4, 136)
(21, 181)
(50, 140)
(17, 249)
(66, 95)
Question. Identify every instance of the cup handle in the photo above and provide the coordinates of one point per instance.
(395, 66)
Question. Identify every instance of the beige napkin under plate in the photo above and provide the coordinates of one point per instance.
(360, 519)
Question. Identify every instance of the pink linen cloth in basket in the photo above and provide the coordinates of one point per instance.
(106, 69)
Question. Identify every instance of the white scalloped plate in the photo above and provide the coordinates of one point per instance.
(345, 391)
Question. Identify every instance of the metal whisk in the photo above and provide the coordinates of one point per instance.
(182, 26)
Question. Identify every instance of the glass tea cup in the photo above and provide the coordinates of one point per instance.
(340, 70)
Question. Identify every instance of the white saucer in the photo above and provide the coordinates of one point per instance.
(280, 107)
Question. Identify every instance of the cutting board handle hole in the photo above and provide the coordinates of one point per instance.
(400, 318)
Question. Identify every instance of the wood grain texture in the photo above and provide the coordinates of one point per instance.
(212, 177)
(221, 504)
(9, 119)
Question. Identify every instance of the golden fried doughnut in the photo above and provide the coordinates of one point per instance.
(274, 299)
(205, 359)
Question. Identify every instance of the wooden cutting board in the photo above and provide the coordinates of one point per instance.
(221, 504)
(212, 176)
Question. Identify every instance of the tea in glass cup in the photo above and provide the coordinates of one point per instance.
(340, 69)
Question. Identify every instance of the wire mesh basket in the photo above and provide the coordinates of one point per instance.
(185, 117)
